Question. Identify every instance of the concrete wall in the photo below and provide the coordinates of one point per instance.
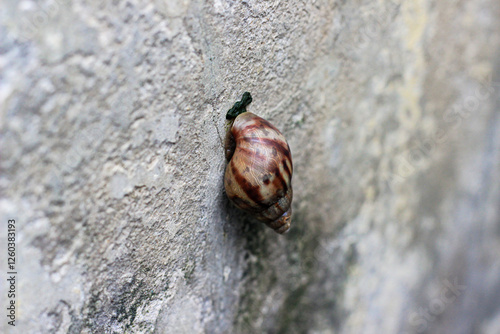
(112, 122)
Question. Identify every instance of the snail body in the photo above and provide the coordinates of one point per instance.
(258, 177)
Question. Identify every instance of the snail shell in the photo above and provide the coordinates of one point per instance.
(258, 177)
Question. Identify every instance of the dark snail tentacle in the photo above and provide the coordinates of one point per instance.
(240, 106)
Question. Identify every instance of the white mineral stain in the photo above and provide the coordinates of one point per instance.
(119, 185)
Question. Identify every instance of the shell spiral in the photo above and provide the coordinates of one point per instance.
(258, 177)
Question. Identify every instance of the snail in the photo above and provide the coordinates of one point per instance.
(258, 176)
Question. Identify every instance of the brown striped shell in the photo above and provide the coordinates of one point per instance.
(258, 177)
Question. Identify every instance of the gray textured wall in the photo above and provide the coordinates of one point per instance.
(112, 121)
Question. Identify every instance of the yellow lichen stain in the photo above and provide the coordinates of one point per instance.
(481, 71)
(370, 194)
(415, 17)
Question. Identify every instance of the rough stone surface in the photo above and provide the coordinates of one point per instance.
(112, 121)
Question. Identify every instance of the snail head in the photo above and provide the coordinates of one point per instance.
(239, 107)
